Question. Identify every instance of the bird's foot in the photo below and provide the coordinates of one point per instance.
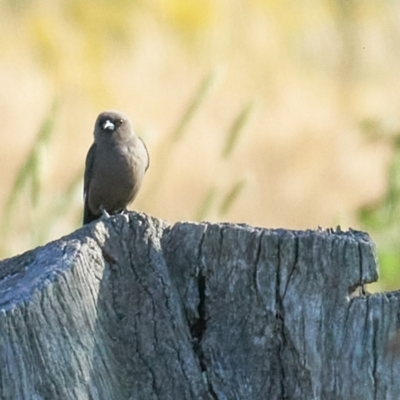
(104, 212)
(124, 211)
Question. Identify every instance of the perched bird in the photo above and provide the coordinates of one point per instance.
(115, 166)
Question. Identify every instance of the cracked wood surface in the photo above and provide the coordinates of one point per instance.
(134, 308)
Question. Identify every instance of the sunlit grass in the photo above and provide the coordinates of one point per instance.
(294, 161)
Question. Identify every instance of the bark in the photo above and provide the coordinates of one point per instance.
(133, 308)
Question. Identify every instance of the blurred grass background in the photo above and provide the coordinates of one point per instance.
(274, 113)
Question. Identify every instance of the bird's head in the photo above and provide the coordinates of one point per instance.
(112, 123)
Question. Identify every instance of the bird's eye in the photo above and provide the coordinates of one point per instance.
(108, 125)
(118, 122)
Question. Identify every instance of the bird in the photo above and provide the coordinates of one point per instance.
(115, 166)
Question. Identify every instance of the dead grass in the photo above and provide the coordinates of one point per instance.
(300, 160)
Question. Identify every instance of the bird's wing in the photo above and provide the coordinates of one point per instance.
(88, 216)
(148, 156)
(89, 168)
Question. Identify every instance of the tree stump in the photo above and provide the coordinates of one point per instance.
(131, 307)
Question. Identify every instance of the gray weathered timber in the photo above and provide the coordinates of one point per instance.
(131, 307)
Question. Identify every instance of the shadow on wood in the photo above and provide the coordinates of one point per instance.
(133, 308)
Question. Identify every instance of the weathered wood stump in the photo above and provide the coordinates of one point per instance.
(133, 308)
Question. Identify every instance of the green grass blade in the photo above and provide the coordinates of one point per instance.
(29, 174)
(232, 196)
(206, 204)
(194, 105)
(237, 128)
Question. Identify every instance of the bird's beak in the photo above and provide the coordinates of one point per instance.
(108, 125)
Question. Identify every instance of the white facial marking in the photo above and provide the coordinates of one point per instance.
(108, 125)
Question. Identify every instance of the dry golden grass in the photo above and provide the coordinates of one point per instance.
(311, 72)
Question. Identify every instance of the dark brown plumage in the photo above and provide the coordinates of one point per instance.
(115, 166)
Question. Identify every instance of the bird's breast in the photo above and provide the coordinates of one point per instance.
(118, 174)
